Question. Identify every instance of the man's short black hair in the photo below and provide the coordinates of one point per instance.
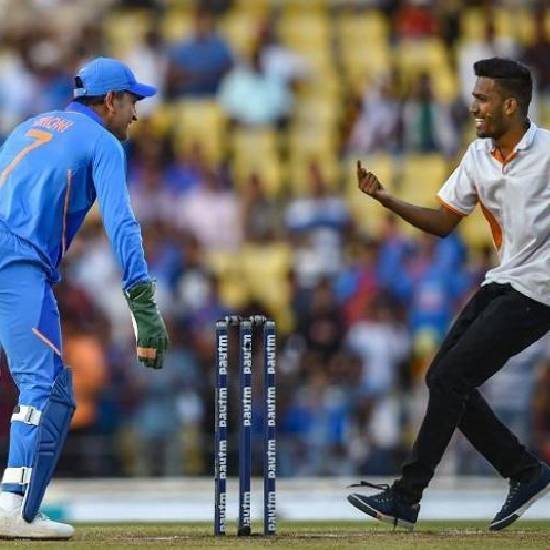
(513, 77)
(92, 100)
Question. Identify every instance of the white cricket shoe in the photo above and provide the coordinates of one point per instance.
(13, 526)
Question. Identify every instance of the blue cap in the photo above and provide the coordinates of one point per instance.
(103, 75)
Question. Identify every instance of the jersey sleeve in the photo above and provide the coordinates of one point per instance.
(124, 232)
(459, 193)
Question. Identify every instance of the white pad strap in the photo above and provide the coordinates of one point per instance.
(27, 414)
(17, 475)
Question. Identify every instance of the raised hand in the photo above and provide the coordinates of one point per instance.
(368, 183)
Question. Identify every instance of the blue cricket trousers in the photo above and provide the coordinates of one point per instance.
(30, 334)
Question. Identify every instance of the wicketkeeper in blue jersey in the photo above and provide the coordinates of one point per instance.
(52, 169)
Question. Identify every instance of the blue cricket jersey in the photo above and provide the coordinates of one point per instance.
(52, 168)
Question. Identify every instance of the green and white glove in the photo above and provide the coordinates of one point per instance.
(149, 327)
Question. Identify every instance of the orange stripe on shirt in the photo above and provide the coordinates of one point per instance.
(447, 206)
(497, 154)
(496, 230)
(46, 341)
(65, 211)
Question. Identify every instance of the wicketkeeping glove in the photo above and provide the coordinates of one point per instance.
(151, 335)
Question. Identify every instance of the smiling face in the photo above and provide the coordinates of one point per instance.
(493, 112)
(120, 113)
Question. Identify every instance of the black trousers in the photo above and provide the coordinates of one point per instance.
(497, 323)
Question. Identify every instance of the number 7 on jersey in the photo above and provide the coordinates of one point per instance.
(41, 138)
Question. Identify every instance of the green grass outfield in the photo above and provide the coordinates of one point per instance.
(319, 535)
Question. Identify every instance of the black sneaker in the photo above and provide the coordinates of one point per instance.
(388, 506)
(521, 495)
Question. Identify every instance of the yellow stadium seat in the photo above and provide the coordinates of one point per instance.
(363, 65)
(200, 121)
(125, 29)
(227, 268)
(253, 141)
(240, 28)
(251, 6)
(318, 139)
(176, 25)
(422, 177)
(428, 55)
(257, 150)
(368, 214)
(360, 29)
(322, 85)
(162, 119)
(473, 23)
(319, 59)
(268, 166)
(317, 112)
(297, 29)
(298, 170)
(308, 6)
(363, 43)
(265, 271)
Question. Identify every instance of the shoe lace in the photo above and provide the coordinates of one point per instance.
(387, 495)
(379, 486)
(42, 517)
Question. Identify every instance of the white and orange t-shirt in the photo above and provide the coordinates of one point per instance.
(514, 194)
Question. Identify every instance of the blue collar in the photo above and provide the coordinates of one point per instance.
(77, 107)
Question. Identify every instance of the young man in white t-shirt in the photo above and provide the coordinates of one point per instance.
(506, 170)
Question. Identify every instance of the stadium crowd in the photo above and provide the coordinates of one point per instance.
(239, 172)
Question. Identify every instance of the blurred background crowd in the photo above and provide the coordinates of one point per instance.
(241, 171)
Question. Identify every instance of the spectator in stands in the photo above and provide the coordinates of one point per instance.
(449, 12)
(426, 122)
(211, 212)
(322, 326)
(316, 420)
(252, 97)
(261, 214)
(197, 301)
(197, 65)
(161, 245)
(92, 267)
(159, 445)
(148, 61)
(415, 19)
(433, 286)
(357, 285)
(86, 453)
(17, 91)
(537, 54)
(317, 223)
(394, 248)
(186, 171)
(277, 60)
(53, 84)
(382, 344)
(151, 198)
(379, 125)
(511, 391)
(145, 149)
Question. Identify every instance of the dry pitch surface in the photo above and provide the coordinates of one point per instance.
(295, 536)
